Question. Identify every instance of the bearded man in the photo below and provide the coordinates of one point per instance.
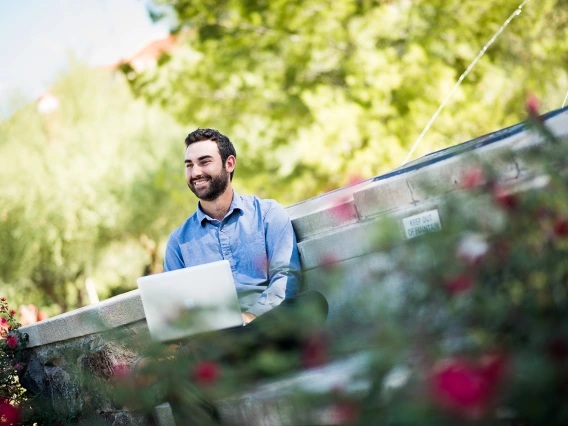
(257, 239)
(254, 235)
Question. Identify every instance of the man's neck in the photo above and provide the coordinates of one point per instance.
(218, 208)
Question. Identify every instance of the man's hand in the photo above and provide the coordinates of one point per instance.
(247, 317)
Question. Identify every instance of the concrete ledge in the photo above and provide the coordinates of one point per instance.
(163, 415)
(405, 187)
(320, 221)
(348, 242)
(325, 201)
(418, 186)
(357, 239)
(111, 313)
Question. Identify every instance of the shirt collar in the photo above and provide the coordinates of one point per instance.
(236, 204)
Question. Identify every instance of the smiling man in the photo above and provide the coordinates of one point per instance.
(257, 239)
(254, 235)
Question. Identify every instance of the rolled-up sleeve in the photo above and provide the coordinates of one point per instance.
(284, 273)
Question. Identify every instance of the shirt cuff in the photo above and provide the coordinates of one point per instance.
(258, 309)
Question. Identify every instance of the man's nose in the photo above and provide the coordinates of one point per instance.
(195, 171)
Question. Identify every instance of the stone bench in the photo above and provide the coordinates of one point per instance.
(331, 228)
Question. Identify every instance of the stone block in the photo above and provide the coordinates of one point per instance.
(325, 201)
(104, 360)
(163, 415)
(127, 308)
(321, 221)
(111, 313)
(345, 243)
(65, 391)
(410, 189)
(33, 377)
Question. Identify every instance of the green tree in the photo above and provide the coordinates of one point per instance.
(313, 92)
(94, 178)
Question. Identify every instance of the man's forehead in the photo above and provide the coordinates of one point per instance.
(199, 149)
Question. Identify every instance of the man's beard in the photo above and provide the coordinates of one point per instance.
(217, 185)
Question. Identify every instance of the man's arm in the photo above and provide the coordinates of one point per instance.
(283, 261)
(173, 259)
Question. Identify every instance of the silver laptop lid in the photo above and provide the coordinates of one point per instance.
(188, 301)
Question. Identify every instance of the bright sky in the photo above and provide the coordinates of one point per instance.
(38, 36)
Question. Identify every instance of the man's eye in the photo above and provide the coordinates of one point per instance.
(189, 166)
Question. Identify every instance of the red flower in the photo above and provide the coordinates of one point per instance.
(472, 178)
(494, 366)
(459, 284)
(9, 415)
(543, 213)
(328, 261)
(3, 299)
(532, 105)
(206, 372)
(12, 341)
(12, 312)
(355, 179)
(505, 199)
(467, 388)
(121, 371)
(345, 413)
(314, 352)
(343, 209)
(4, 323)
(561, 228)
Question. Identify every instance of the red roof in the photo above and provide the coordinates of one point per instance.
(154, 49)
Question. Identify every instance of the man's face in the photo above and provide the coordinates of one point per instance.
(205, 173)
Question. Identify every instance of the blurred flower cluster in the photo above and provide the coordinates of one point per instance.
(11, 342)
(484, 325)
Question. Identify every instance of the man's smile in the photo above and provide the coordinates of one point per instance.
(199, 182)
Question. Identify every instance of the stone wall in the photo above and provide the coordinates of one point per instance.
(67, 350)
(332, 227)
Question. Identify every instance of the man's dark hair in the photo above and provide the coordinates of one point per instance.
(224, 145)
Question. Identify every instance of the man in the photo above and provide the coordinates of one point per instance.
(257, 239)
(254, 235)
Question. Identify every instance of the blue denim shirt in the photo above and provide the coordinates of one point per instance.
(257, 239)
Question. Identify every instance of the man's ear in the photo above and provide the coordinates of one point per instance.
(230, 163)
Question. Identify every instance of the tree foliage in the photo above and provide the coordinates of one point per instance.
(95, 173)
(315, 91)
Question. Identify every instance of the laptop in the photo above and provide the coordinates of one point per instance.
(181, 303)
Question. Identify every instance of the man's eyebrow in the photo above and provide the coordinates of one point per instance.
(203, 157)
